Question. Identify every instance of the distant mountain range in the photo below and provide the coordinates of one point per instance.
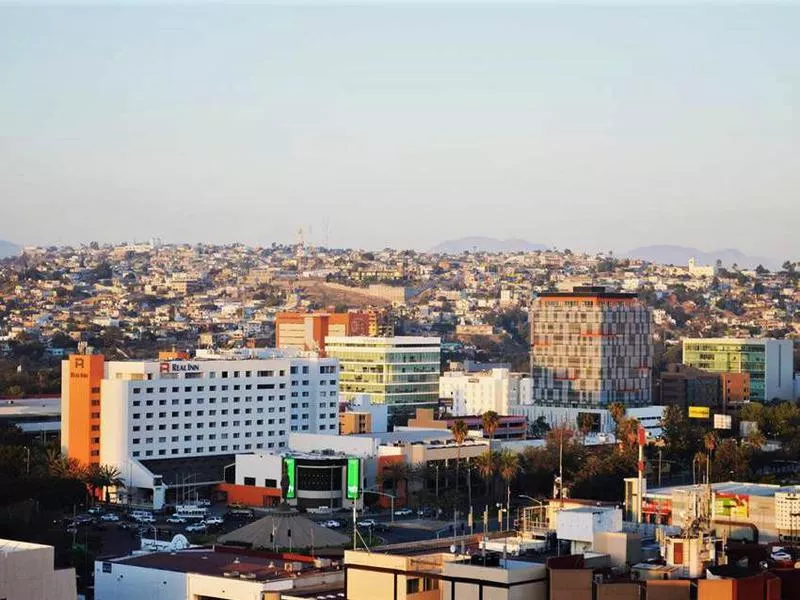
(8, 249)
(680, 255)
(485, 244)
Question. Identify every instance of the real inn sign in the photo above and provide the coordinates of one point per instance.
(178, 367)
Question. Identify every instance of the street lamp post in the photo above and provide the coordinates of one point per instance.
(508, 507)
(540, 506)
(390, 496)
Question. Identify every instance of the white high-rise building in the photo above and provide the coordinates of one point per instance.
(476, 393)
(216, 405)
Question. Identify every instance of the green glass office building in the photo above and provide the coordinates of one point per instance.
(401, 372)
(768, 361)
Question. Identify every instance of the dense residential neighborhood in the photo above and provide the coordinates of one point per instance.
(134, 299)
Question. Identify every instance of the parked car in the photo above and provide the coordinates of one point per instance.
(367, 523)
(331, 524)
(176, 520)
(403, 512)
(779, 554)
(110, 517)
(83, 519)
(214, 521)
(144, 518)
(320, 510)
(197, 527)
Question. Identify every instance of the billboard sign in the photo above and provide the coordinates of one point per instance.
(735, 506)
(722, 421)
(290, 471)
(353, 478)
(699, 412)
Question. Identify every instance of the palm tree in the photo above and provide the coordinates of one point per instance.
(490, 421)
(93, 480)
(710, 441)
(64, 467)
(460, 432)
(508, 466)
(486, 466)
(109, 476)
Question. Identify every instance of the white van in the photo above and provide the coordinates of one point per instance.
(142, 516)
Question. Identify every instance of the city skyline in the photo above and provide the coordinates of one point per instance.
(243, 124)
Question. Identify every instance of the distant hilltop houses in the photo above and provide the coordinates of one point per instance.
(153, 295)
(696, 270)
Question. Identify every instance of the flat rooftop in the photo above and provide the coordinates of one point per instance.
(9, 546)
(20, 407)
(216, 564)
(192, 470)
(764, 490)
(318, 593)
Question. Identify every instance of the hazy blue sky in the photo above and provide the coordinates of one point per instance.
(588, 128)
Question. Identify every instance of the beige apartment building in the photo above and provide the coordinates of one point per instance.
(589, 348)
(440, 576)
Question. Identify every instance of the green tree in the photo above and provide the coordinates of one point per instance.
(486, 465)
(508, 465)
(681, 437)
(395, 476)
(731, 462)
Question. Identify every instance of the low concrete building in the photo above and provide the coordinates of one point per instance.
(27, 573)
(441, 576)
(221, 573)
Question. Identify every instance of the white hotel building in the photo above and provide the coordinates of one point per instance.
(178, 423)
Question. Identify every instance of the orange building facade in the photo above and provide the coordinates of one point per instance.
(735, 388)
(307, 331)
(80, 407)
(250, 495)
(351, 423)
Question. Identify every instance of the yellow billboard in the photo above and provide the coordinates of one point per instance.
(734, 506)
(699, 412)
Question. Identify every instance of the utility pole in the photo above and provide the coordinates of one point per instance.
(561, 468)
(640, 492)
(659, 466)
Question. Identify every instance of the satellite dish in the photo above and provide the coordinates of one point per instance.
(179, 542)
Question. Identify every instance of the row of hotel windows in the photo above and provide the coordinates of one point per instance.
(201, 449)
(223, 436)
(225, 399)
(213, 424)
(247, 386)
(212, 412)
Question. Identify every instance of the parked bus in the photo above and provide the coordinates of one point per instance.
(191, 512)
